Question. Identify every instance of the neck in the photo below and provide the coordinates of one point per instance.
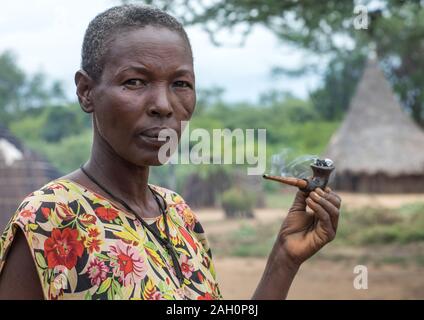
(122, 178)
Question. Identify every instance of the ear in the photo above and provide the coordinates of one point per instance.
(85, 85)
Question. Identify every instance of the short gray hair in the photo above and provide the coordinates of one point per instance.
(115, 20)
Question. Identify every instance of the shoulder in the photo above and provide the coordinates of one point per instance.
(177, 204)
(42, 214)
(38, 217)
(38, 214)
(180, 209)
(37, 206)
(171, 197)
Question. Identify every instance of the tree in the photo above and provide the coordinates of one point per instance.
(332, 98)
(12, 80)
(20, 92)
(395, 27)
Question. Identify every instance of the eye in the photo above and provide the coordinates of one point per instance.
(135, 83)
(182, 84)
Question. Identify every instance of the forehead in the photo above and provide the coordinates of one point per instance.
(156, 48)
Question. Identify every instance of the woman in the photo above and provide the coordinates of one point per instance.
(103, 232)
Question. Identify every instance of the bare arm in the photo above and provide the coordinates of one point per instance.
(277, 277)
(19, 279)
(302, 234)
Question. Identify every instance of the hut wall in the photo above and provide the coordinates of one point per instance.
(18, 181)
(379, 183)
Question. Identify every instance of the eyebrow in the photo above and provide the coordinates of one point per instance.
(142, 69)
(138, 68)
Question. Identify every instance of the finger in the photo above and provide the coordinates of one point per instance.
(323, 217)
(299, 203)
(327, 206)
(329, 190)
(330, 196)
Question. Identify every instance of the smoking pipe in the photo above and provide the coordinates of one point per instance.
(321, 171)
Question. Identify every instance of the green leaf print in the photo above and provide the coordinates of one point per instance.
(40, 260)
(104, 286)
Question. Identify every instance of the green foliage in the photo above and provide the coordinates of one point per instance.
(395, 28)
(360, 227)
(62, 134)
(382, 226)
(20, 92)
(12, 79)
(62, 131)
(67, 154)
(278, 199)
(29, 128)
(249, 240)
(62, 122)
(252, 242)
(238, 203)
(332, 98)
(50, 124)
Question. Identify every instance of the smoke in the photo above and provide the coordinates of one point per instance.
(286, 165)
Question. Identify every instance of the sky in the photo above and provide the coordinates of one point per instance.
(46, 35)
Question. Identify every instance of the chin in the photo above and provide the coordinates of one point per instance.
(152, 161)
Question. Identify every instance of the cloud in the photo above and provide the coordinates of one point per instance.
(47, 35)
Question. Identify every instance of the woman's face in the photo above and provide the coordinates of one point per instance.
(147, 84)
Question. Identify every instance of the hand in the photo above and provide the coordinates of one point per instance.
(303, 233)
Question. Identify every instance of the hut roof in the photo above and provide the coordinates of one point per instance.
(14, 153)
(376, 136)
(21, 172)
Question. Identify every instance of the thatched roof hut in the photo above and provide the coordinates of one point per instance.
(21, 172)
(378, 147)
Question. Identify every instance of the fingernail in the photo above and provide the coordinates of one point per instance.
(319, 191)
(315, 195)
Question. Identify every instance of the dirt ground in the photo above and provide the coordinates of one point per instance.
(320, 278)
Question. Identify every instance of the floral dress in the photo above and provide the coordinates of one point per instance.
(85, 247)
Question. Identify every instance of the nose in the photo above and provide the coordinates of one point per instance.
(160, 105)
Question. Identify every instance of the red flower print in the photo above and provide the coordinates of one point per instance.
(130, 265)
(93, 245)
(188, 238)
(200, 276)
(27, 215)
(93, 232)
(97, 271)
(55, 187)
(63, 248)
(187, 215)
(64, 212)
(186, 266)
(157, 296)
(87, 219)
(206, 296)
(45, 212)
(107, 214)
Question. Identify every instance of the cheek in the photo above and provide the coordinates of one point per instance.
(187, 102)
(117, 112)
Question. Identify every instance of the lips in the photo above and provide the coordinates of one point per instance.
(153, 132)
(151, 136)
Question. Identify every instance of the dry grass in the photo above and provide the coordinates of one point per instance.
(387, 239)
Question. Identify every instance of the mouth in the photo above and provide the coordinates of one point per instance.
(151, 136)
